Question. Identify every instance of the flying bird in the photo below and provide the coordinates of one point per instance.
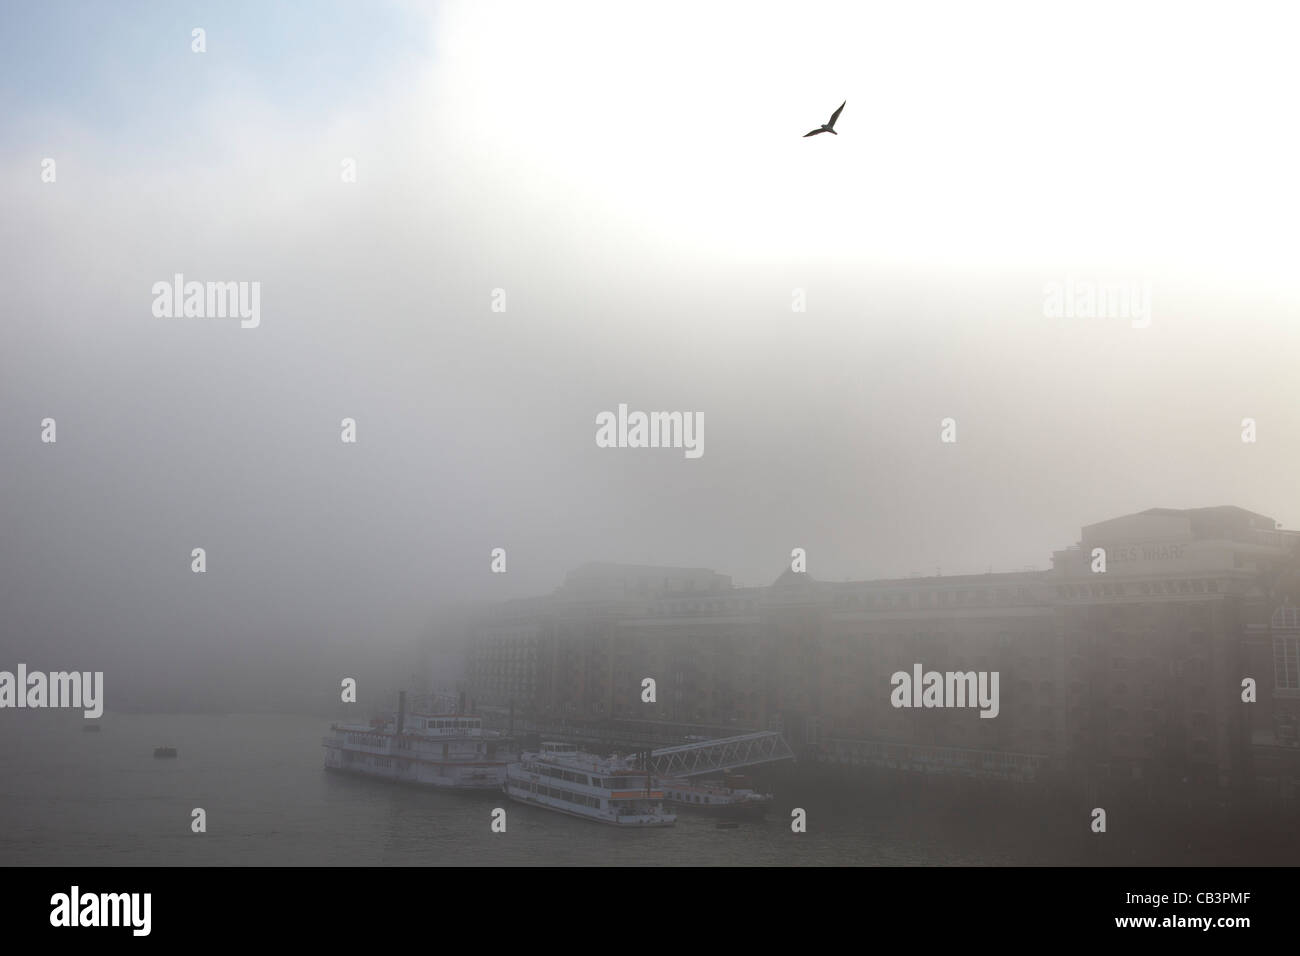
(828, 127)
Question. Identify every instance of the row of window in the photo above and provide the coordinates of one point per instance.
(1118, 589)
(572, 776)
(954, 598)
(1286, 663)
(579, 798)
(706, 607)
(693, 798)
(452, 724)
(951, 598)
(370, 760)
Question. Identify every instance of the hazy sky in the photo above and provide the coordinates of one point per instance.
(636, 180)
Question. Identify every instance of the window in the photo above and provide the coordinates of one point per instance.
(1286, 663)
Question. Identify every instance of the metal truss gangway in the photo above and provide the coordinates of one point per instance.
(724, 753)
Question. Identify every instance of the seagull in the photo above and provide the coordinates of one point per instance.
(827, 127)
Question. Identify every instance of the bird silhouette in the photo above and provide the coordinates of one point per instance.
(828, 127)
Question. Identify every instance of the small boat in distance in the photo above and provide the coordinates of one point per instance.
(164, 752)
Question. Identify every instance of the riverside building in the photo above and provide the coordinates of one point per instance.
(1132, 675)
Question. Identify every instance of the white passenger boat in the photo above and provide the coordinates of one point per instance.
(450, 751)
(605, 789)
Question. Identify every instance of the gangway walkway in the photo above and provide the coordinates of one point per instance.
(725, 753)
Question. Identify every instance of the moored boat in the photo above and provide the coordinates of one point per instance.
(609, 790)
(450, 751)
(729, 797)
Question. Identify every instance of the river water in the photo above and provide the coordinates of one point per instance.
(101, 799)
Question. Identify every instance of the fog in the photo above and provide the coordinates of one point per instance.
(638, 185)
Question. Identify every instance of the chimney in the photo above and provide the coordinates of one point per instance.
(510, 729)
(461, 708)
(401, 710)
